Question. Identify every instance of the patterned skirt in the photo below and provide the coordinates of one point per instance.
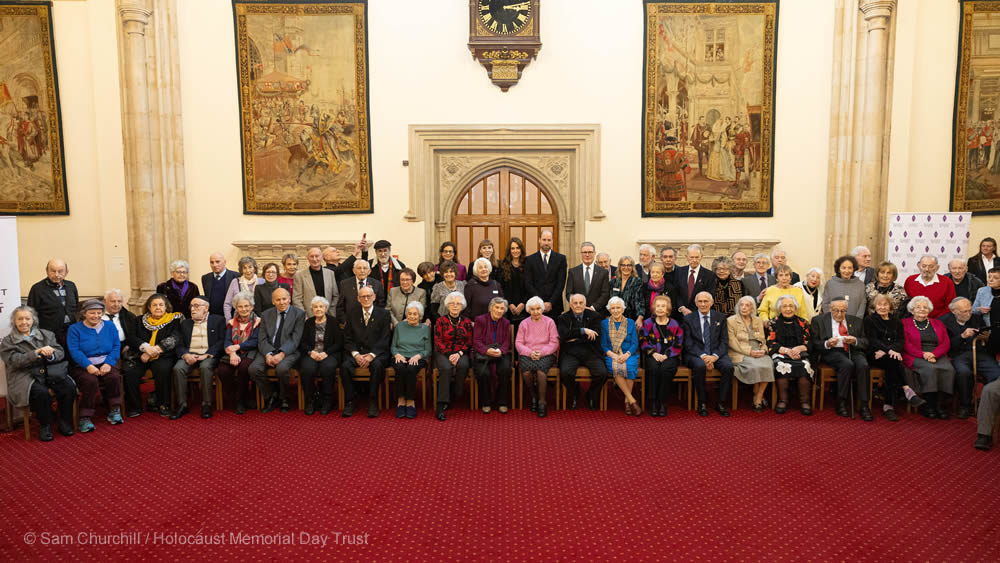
(542, 364)
(787, 367)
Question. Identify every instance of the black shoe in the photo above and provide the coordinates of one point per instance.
(163, 410)
(284, 406)
(310, 408)
(372, 409)
(943, 414)
(842, 409)
(65, 428)
(806, 409)
(542, 410)
(151, 406)
(890, 415)
(927, 411)
(866, 413)
(534, 404)
(983, 441)
(241, 408)
(45, 433)
(781, 407)
(348, 410)
(721, 409)
(440, 413)
(181, 411)
(206, 411)
(663, 409)
(702, 409)
(593, 404)
(400, 411)
(326, 407)
(964, 413)
(269, 405)
(572, 403)
(447, 406)
(134, 413)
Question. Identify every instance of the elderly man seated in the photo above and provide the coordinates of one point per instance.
(367, 342)
(706, 346)
(277, 347)
(963, 331)
(580, 343)
(199, 346)
(838, 339)
(989, 407)
(966, 284)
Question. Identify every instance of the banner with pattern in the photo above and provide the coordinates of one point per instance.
(912, 235)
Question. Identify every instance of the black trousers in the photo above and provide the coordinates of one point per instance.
(855, 365)
(659, 376)
(161, 368)
(406, 379)
(41, 401)
(485, 366)
(377, 370)
(893, 381)
(568, 364)
(698, 371)
(325, 369)
(238, 376)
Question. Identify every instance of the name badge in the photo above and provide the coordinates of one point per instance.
(496, 291)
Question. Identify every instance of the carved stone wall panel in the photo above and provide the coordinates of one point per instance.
(264, 251)
(713, 248)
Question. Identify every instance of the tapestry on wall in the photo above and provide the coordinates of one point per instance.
(32, 169)
(303, 88)
(975, 169)
(708, 108)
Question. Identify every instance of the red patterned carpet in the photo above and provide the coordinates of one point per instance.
(576, 485)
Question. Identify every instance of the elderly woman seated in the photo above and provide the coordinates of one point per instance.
(240, 348)
(158, 333)
(925, 355)
(247, 282)
(788, 345)
(491, 344)
(400, 297)
(537, 343)
(620, 343)
(884, 331)
(812, 287)
(178, 289)
(452, 344)
(728, 290)
(321, 347)
(94, 346)
(36, 364)
(885, 284)
(769, 303)
(411, 346)
(748, 349)
(662, 339)
(445, 287)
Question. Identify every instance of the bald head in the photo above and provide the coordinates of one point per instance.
(217, 262)
(281, 299)
(56, 270)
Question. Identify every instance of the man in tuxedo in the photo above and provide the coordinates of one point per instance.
(780, 258)
(865, 272)
(756, 282)
(278, 347)
(580, 345)
(838, 340)
(589, 280)
(545, 275)
(314, 280)
(367, 338)
(199, 346)
(347, 301)
(706, 346)
(692, 279)
(216, 283)
(604, 261)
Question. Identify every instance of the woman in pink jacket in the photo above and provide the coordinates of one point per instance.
(925, 356)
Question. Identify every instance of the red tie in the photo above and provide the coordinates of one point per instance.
(843, 332)
(690, 284)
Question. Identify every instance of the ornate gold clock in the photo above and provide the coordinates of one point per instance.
(504, 37)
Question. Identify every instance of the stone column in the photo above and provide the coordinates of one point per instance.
(977, 84)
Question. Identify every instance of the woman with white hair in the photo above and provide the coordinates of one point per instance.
(812, 288)
(240, 349)
(537, 343)
(748, 349)
(321, 346)
(246, 283)
(788, 345)
(480, 289)
(179, 290)
(411, 346)
(925, 355)
(620, 343)
(452, 344)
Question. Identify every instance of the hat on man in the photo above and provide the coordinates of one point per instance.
(382, 244)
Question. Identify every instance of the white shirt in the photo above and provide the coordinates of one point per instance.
(860, 274)
(545, 256)
(987, 263)
(695, 272)
(836, 329)
(118, 324)
(920, 280)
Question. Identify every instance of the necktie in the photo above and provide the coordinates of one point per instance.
(545, 260)
(690, 284)
(218, 277)
(763, 282)
(111, 317)
(843, 332)
(706, 331)
(368, 317)
(586, 281)
(277, 330)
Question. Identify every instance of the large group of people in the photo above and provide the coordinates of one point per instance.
(749, 318)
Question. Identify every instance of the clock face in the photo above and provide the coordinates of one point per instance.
(504, 17)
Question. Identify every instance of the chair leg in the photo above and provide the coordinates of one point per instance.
(736, 391)
(218, 393)
(822, 392)
(26, 415)
(340, 395)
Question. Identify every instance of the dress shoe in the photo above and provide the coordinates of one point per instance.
(241, 408)
(663, 410)
(65, 428)
(411, 412)
(842, 409)
(181, 411)
(440, 413)
(284, 406)
(702, 409)
(400, 411)
(542, 410)
(781, 407)
(348, 411)
(133, 413)
(890, 415)
(163, 410)
(636, 409)
(963, 413)
(206, 411)
(983, 441)
(927, 411)
(326, 407)
(534, 404)
(721, 409)
(866, 413)
(310, 408)
(572, 403)
(593, 404)
(806, 409)
(372, 409)
(269, 405)
(45, 433)
(943, 414)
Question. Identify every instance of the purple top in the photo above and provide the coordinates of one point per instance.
(487, 333)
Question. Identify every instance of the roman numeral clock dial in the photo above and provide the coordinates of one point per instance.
(504, 37)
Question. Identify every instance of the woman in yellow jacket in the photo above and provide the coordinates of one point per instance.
(768, 308)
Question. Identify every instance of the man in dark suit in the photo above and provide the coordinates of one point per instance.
(55, 299)
(277, 347)
(757, 281)
(216, 283)
(780, 258)
(838, 339)
(199, 346)
(347, 300)
(580, 345)
(706, 346)
(545, 275)
(589, 280)
(692, 279)
(865, 272)
(604, 261)
(367, 338)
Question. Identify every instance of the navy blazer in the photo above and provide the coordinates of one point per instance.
(216, 336)
(694, 340)
(705, 281)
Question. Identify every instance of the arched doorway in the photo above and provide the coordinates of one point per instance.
(500, 204)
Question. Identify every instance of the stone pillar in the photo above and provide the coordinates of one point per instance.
(977, 84)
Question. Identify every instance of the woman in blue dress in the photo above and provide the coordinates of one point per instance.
(620, 343)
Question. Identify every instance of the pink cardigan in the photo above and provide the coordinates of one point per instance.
(538, 335)
(912, 349)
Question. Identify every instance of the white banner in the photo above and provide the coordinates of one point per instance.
(912, 235)
(10, 279)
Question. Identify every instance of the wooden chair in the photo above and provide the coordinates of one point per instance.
(194, 381)
(683, 381)
(293, 379)
(361, 374)
(829, 375)
(390, 377)
(26, 415)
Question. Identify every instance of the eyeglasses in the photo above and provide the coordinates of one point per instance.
(366, 296)
(625, 266)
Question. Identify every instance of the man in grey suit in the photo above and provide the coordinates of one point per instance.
(589, 280)
(314, 280)
(755, 282)
(278, 348)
